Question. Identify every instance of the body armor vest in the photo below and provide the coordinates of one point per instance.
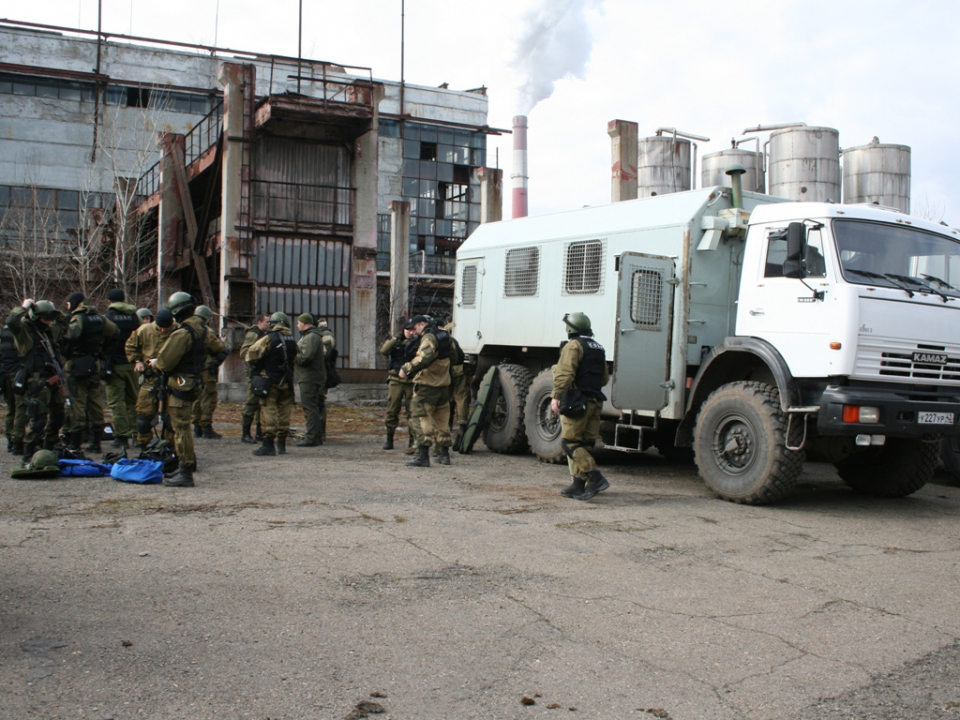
(443, 341)
(277, 363)
(9, 357)
(128, 325)
(192, 361)
(590, 371)
(91, 337)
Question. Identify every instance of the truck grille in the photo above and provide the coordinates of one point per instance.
(897, 360)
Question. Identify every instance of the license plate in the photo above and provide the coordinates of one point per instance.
(935, 418)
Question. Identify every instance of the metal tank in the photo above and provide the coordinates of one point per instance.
(714, 168)
(877, 173)
(804, 164)
(666, 162)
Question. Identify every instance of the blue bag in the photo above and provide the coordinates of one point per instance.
(82, 468)
(137, 471)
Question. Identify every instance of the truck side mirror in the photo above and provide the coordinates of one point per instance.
(796, 244)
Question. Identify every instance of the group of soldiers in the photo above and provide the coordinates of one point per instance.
(56, 367)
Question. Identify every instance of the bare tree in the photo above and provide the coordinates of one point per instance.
(932, 210)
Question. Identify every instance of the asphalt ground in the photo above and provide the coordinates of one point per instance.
(336, 582)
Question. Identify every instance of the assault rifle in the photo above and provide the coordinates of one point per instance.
(163, 398)
(64, 388)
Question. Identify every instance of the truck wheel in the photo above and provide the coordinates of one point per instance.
(543, 425)
(951, 460)
(505, 432)
(900, 467)
(740, 444)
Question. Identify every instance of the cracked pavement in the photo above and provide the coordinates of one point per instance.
(304, 586)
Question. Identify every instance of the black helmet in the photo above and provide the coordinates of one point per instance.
(181, 304)
(279, 318)
(44, 309)
(577, 323)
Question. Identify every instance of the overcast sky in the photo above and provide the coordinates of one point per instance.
(882, 68)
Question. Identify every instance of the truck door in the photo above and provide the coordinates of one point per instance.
(644, 328)
(468, 329)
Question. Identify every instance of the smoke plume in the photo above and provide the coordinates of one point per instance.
(555, 43)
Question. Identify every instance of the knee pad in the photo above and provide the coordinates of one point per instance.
(144, 426)
(569, 448)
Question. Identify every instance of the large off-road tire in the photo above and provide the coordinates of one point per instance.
(505, 432)
(543, 425)
(896, 469)
(740, 444)
(950, 459)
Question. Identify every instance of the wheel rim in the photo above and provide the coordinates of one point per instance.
(735, 444)
(498, 415)
(548, 422)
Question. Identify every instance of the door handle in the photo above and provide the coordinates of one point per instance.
(756, 312)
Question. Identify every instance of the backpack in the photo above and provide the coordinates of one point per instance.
(333, 377)
(83, 468)
(161, 451)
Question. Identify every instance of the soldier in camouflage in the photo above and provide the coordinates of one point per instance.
(142, 346)
(273, 356)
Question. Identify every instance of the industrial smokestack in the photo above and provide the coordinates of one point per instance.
(519, 174)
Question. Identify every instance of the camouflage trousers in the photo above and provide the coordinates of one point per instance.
(206, 403)
(399, 395)
(122, 390)
(577, 434)
(431, 405)
(275, 411)
(180, 413)
(86, 399)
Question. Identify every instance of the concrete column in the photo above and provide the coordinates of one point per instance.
(170, 229)
(491, 194)
(363, 279)
(624, 150)
(231, 77)
(399, 260)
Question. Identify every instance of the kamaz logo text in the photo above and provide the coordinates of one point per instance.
(931, 358)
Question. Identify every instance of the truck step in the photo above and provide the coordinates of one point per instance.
(631, 438)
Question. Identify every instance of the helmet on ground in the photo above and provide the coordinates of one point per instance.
(181, 304)
(279, 318)
(44, 460)
(577, 323)
(44, 309)
(144, 313)
(204, 312)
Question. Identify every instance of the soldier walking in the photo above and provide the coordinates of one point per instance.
(206, 403)
(36, 330)
(121, 381)
(82, 345)
(251, 406)
(311, 375)
(430, 371)
(582, 367)
(273, 358)
(142, 346)
(181, 361)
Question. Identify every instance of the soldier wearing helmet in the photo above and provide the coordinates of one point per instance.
(273, 357)
(144, 345)
(206, 403)
(330, 354)
(119, 378)
(88, 334)
(145, 315)
(430, 371)
(251, 406)
(36, 331)
(181, 360)
(578, 380)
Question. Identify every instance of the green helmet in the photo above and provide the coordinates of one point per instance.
(279, 318)
(203, 312)
(44, 460)
(577, 323)
(144, 313)
(181, 304)
(44, 309)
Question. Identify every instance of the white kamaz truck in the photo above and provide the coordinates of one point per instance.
(752, 330)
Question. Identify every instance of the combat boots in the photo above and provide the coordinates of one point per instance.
(281, 446)
(410, 448)
(182, 478)
(76, 440)
(210, 434)
(16, 448)
(422, 459)
(444, 456)
(94, 445)
(595, 483)
(576, 488)
(197, 431)
(246, 436)
(267, 448)
(259, 436)
(388, 445)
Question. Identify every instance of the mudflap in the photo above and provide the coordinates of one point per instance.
(486, 399)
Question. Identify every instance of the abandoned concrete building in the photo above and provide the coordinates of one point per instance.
(257, 183)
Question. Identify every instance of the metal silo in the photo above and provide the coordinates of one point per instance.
(804, 164)
(666, 162)
(877, 173)
(714, 168)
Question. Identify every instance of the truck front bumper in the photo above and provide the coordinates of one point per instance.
(901, 415)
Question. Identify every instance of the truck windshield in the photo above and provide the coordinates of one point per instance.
(913, 260)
